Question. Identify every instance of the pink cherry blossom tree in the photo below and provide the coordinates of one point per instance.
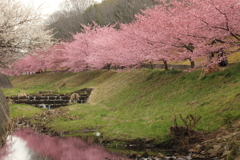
(78, 51)
(165, 29)
(28, 64)
(144, 43)
(190, 26)
(113, 48)
(55, 56)
(179, 30)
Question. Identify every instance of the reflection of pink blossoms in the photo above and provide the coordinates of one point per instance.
(71, 148)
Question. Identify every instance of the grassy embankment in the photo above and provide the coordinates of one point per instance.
(138, 103)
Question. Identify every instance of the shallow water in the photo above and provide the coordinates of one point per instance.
(25, 144)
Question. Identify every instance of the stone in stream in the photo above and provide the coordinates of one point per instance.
(74, 97)
(160, 155)
(145, 155)
(22, 95)
(133, 155)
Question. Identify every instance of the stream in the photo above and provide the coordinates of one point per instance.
(25, 144)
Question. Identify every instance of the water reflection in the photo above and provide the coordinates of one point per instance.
(24, 144)
(18, 150)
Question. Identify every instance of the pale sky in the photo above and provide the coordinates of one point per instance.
(48, 6)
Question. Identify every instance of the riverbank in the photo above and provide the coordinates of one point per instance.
(221, 144)
(138, 105)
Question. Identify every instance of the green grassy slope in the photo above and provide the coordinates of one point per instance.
(140, 103)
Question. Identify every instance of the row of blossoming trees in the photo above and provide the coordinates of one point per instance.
(175, 31)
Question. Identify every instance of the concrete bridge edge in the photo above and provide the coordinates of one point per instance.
(4, 109)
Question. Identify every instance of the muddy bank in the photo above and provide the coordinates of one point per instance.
(38, 122)
(222, 144)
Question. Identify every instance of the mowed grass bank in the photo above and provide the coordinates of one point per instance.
(139, 103)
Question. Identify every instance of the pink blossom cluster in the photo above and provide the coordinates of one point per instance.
(174, 31)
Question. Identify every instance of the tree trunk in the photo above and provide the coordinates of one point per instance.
(192, 64)
(211, 55)
(108, 66)
(151, 65)
(165, 65)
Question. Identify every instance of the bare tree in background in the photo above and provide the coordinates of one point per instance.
(68, 19)
(73, 13)
(21, 31)
(113, 11)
